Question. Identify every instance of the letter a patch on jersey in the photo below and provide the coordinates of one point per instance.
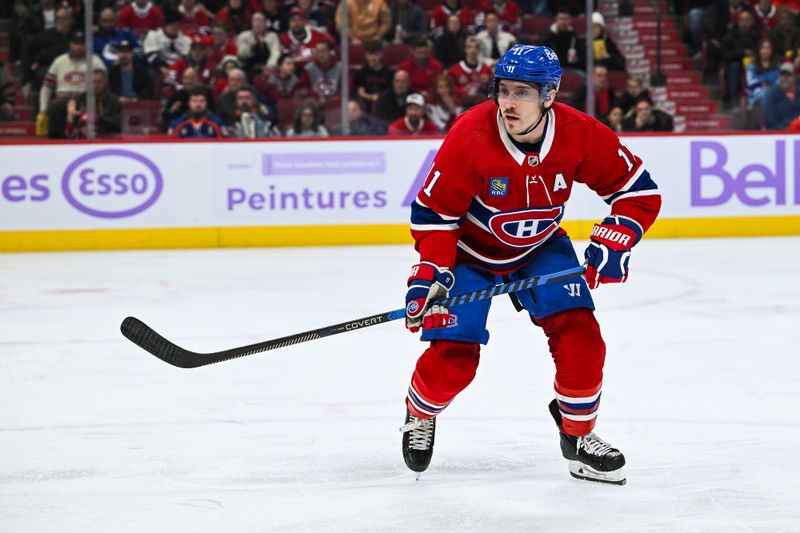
(498, 186)
(560, 183)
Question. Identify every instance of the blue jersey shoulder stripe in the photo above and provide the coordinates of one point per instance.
(643, 183)
(423, 216)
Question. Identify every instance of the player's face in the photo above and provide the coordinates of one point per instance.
(520, 105)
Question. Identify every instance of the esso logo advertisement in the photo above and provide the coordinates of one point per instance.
(112, 183)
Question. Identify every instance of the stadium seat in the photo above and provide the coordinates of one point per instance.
(535, 25)
(618, 80)
(579, 25)
(332, 116)
(394, 54)
(286, 111)
(428, 5)
(570, 81)
(357, 55)
(141, 117)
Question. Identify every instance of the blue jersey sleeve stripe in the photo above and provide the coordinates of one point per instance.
(643, 183)
(425, 216)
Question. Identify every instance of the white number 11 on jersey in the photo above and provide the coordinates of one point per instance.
(427, 190)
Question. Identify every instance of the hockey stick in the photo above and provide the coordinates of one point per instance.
(145, 337)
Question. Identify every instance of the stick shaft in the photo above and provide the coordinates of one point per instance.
(146, 338)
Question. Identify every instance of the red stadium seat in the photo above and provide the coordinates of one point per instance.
(570, 81)
(394, 54)
(332, 115)
(357, 55)
(286, 110)
(141, 117)
(429, 5)
(618, 80)
(579, 25)
(535, 25)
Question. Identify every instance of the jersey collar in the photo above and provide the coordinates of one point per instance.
(516, 153)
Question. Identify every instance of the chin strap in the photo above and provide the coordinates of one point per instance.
(542, 113)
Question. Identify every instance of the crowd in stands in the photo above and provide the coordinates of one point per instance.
(271, 68)
(753, 48)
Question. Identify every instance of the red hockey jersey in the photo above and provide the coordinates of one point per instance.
(486, 202)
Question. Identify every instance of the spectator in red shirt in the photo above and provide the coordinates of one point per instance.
(766, 15)
(471, 75)
(445, 105)
(301, 39)
(421, 66)
(414, 122)
(450, 7)
(195, 16)
(198, 59)
(507, 10)
(221, 45)
(140, 16)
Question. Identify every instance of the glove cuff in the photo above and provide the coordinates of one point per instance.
(617, 233)
(432, 273)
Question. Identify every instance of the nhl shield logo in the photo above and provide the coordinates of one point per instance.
(533, 160)
(498, 186)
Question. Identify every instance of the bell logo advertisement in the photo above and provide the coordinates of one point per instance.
(717, 180)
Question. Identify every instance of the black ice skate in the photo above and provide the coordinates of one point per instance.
(418, 434)
(590, 457)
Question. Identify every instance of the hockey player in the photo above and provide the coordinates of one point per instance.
(489, 211)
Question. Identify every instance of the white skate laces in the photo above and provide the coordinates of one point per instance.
(593, 445)
(421, 430)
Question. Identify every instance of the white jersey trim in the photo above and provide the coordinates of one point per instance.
(513, 151)
(516, 153)
(443, 217)
(579, 418)
(585, 399)
(472, 218)
(629, 183)
(434, 227)
(490, 208)
(549, 134)
(633, 194)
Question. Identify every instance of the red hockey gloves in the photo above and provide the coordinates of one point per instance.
(609, 250)
(427, 284)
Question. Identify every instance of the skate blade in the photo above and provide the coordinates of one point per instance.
(579, 470)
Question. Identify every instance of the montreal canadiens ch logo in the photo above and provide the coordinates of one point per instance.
(526, 228)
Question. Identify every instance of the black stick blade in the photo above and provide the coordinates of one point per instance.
(146, 338)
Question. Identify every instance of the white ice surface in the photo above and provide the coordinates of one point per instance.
(701, 394)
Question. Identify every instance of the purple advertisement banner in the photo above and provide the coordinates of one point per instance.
(323, 163)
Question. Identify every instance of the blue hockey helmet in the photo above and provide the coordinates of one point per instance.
(531, 64)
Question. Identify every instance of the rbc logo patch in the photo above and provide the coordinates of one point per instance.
(498, 186)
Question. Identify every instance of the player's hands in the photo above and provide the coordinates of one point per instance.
(427, 283)
(610, 249)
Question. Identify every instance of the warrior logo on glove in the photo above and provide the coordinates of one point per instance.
(610, 249)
